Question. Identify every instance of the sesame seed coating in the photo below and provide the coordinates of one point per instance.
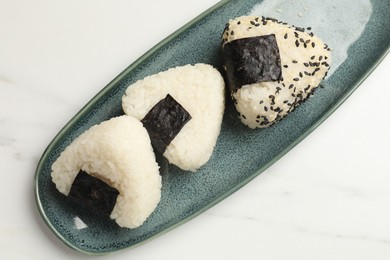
(305, 60)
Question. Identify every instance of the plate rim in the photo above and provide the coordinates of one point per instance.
(212, 203)
(86, 108)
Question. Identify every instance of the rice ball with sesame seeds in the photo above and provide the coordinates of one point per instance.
(271, 67)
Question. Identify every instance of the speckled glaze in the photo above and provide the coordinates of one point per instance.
(241, 153)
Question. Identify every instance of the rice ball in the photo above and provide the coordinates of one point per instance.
(119, 153)
(196, 95)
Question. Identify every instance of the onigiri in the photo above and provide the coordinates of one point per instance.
(112, 162)
(271, 67)
(182, 108)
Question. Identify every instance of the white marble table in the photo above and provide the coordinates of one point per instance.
(329, 198)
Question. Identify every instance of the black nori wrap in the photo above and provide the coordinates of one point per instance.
(164, 121)
(252, 60)
(93, 193)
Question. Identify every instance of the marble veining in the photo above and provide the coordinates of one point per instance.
(306, 229)
(326, 199)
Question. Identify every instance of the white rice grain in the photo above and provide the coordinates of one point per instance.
(199, 89)
(119, 152)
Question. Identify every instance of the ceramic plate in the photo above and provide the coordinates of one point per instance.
(358, 31)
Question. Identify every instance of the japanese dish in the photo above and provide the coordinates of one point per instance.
(197, 93)
(271, 67)
(111, 169)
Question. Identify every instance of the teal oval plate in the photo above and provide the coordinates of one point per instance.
(358, 31)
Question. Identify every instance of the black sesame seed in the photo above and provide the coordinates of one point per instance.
(285, 102)
(272, 19)
(243, 116)
(312, 57)
(311, 34)
(291, 86)
(286, 66)
(297, 43)
(320, 58)
(305, 45)
(296, 79)
(313, 44)
(261, 102)
(309, 28)
(265, 108)
(232, 33)
(306, 64)
(273, 101)
(300, 74)
(286, 36)
(252, 23)
(307, 73)
(258, 116)
(239, 22)
(294, 61)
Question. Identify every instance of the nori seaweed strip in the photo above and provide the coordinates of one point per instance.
(252, 60)
(164, 121)
(93, 193)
